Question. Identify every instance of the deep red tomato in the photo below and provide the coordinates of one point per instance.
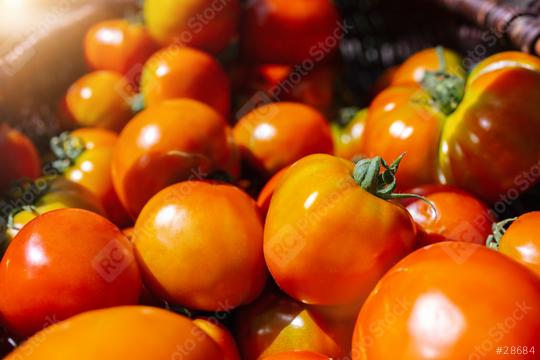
(423, 308)
(328, 236)
(276, 135)
(220, 335)
(61, 264)
(125, 332)
(348, 138)
(18, 156)
(263, 200)
(451, 215)
(297, 355)
(118, 45)
(290, 32)
(200, 245)
(203, 24)
(184, 72)
(173, 141)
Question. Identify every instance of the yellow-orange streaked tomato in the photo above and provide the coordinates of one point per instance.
(220, 335)
(505, 59)
(348, 138)
(297, 355)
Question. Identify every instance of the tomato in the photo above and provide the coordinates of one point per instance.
(423, 308)
(99, 99)
(200, 246)
(297, 355)
(263, 200)
(176, 140)
(85, 157)
(451, 215)
(275, 135)
(327, 239)
(290, 32)
(118, 45)
(175, 72)
(276, 323)
(521, 241)
(504, 59)
(18, 156)
(220, 335)
(203, 24)
(63, 263)
(126, 332)
(348, 138)
(45, 194)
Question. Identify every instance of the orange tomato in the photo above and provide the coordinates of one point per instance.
(275, 135)
(61, 264)
(203, 24)
(99, 99)
(297, 355)
(220, 335)
(200, 246)
(348, 138)
(290, 32)
(18, 156)
(327, 238)
(182, 72)
(423, 308)
(173, 141)
(263, 200)
(126, 332)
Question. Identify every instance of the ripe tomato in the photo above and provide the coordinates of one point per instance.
(220, 335)
(297, 355)
(85, 157)
(327, 239)
(263, 200)
(175, 72)
(99, 99)
(63, 263)
(18, 156)
(126, 332)
(173, 141)
(422, 308)
(348, 138)
(504, 59)
(118, 45)
(276, 323)
(455, 216)
(290, 32)
(203, 24)
(275, 135)
(200, 246)
(521, 241)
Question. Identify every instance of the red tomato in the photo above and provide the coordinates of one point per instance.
(126, 332)
(290, 32)
(61, 264)
(100, 99)
(423, 308)
(118, 45)
(455, 216)
(176, 140)
(200, 246)
(297, 355)
(175, 72)
(220, 335)
(263, 200)
(276, 135)
(18, 156)
(327, 239)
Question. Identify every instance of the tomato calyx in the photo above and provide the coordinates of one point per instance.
(445, 90)
(499, 229)
(66, 148)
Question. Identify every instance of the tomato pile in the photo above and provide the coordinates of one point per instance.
(214, 195)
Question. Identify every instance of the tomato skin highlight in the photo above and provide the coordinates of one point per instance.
(313, 247)
(429, 293)
(58, 266)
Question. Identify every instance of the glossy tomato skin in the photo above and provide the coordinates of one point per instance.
(521, 241)
(99, 99)
(428, 297)
(185, 72)
(276, 135)
(348, 139)
(63, 263)
(289, 32)
(457, 216)
(18, 156)
(489, 145)
(276, 323)
(125, 332)
(297, 355)
(200, 245)
(506, 59)
(195, 23)
(173, 141)
(92, 169)
(263, 200)
(327, 241)
(118, 45)
(221, 336)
